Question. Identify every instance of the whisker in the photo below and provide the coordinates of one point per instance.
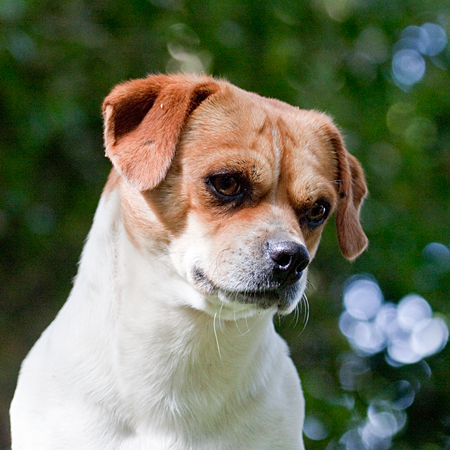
(304, 302)
(248, 328)
(237, 325)
(279, 319)
(217, 339)
(296, 316)
(220, 322)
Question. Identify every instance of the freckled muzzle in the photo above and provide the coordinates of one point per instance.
(273, 279)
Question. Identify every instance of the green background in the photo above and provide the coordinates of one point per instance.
(60, 58)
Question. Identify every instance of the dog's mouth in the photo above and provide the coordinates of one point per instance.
(281, 298)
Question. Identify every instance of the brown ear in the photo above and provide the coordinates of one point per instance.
(352, 190)
(143, 121)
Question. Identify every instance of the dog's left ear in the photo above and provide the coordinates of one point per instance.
(143, 122)
(352, 190)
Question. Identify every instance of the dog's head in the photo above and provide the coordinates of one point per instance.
(235, 186)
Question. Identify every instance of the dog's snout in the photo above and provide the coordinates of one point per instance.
(289, 260)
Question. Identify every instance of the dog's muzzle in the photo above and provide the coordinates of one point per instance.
(271, 279)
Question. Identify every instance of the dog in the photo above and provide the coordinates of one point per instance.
(205, 229)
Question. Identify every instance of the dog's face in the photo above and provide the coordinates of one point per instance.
(237, 187)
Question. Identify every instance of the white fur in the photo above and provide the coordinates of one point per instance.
(138, 359)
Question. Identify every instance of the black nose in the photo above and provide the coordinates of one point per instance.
(289, 259)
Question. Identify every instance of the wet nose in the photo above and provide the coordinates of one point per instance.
(289, 260)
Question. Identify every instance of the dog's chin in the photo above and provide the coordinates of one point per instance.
(282, 301)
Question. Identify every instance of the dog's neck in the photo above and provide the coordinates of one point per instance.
(161, 354)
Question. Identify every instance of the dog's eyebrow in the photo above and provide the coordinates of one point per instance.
(312, 192)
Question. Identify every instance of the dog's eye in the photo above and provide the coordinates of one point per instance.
(227, 185)
(316, 215)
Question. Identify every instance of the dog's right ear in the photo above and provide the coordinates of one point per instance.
(352, 190)
(143, 122)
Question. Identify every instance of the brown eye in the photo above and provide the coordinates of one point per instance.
(229, 186)
(316, 215)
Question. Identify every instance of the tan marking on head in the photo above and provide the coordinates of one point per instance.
(142, 223)
(112, 183)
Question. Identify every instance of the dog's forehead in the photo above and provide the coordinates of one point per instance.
(241, 124)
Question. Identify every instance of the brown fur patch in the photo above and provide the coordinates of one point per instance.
(143, 122)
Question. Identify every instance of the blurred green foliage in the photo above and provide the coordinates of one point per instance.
(59, 59)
